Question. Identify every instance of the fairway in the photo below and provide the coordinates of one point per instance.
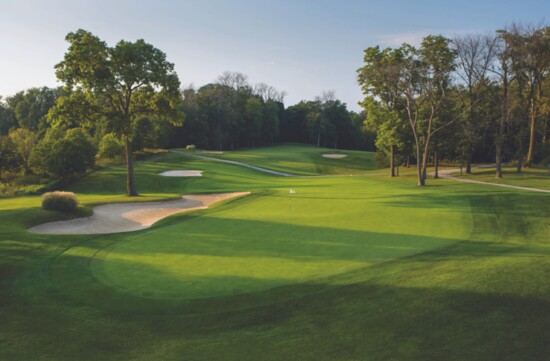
(339, 269)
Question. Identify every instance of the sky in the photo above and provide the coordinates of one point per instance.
(303, 47)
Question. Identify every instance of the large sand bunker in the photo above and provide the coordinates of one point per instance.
(127, 217)
(335, 156)
(182, 173)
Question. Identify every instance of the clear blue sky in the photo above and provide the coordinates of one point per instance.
(300, 46)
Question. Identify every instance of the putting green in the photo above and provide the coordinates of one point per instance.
(271, 240)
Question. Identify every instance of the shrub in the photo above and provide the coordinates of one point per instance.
(59, 201)
(191, 147)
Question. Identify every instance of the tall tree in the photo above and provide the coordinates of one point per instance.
(116, 85)
(502, 68)
(323, 101)
(529, 49)
(417, 79)
(475, 54)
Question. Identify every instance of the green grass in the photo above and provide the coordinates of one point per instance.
(302, 160)
(351, 268)
(529, 177)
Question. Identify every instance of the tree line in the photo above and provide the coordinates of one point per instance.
(476, 97)
(231, 113)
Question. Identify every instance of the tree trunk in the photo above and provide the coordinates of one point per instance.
(533, 112)
(436, 163)
(421, 181)
(499, 158)
(392, 161)
(545, 132)
(423, 167)
(520, 156)
(408, 161)
(319, 136)
(503, 120)
(469, 166)
(130, 184)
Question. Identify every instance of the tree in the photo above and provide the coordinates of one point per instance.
(418, 81)
(529, 53)
(270, 127)
(67, 156)
(110, 146)
(502, 68)
(319, 119)
(475, 55)
(31, 106)
(24, 141)
(253, 118)
(389, 129)
(7, 118)
(116, 85)
(295, 128)
(9, 159)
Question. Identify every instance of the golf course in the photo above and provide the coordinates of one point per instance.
(335, 261)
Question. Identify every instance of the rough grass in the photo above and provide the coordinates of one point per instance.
(359, 268)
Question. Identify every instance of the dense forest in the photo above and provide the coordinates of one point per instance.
(473, 98)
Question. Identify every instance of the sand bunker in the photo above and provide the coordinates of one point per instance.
(335, 156)
(182, 173)
(211, 152)
(127, 217)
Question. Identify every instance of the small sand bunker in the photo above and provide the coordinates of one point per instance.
(335, 156)
(127, 217)
(182, 173)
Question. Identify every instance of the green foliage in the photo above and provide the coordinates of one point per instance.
(31, 106)
(116, 86)
(110, 147)
(143, 134)
(9, 157)
(381, 159)
(59, 201)
(411, 86)
(68, 155)
(25, 140)
(7, 118)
